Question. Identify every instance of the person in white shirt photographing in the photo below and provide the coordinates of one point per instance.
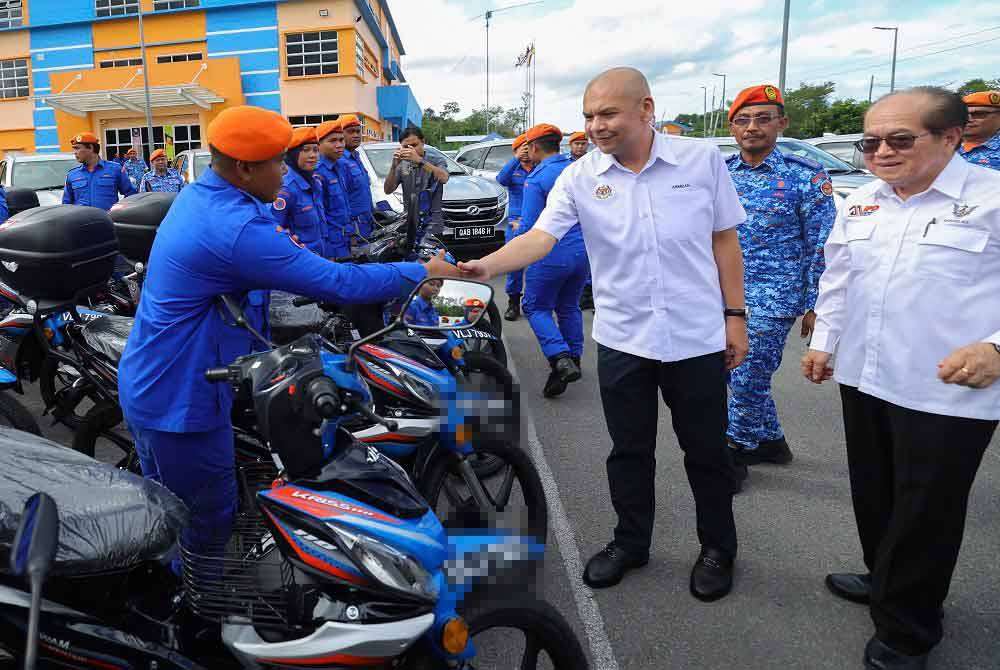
(910, 304)
(659, 218)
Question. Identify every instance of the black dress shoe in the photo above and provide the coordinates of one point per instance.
(855, 587)
(740, 474)
(608, 566)
(554, 385)
(767, 451)
(513, 307)
(880, 656)
(712, 575)
(568, 368)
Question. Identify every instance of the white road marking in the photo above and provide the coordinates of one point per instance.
(586, 606)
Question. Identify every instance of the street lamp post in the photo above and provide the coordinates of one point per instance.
(722, 100)
(784, 47)
(895, 42)
(145, 83)
(704, 111)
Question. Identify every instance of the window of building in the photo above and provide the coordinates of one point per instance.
(121, 62)
(159, 5)
(186, 137)
(14, 78)
(117, 141)
(116, 7)
(310, 54)
(10, 14)
(311, 119)
(179, 58)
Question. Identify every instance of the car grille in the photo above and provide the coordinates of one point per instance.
(456, 212)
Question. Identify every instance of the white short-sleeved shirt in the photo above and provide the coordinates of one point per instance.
(649, 238)
(907, 283)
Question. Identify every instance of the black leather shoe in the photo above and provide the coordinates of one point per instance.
(740, 474)
(513, 307)
(608, 566)
(568, 369)
(855, 587)
(712, 575)
(767, 451)
(880, 656)
(554, 385)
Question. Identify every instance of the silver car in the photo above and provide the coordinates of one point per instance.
(45, 174)
(486, 159)
(841, 146)
(191, 163)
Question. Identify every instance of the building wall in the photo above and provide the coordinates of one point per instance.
(249, 33)
(16, 114)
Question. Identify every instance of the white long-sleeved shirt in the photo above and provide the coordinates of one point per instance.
(909, 282)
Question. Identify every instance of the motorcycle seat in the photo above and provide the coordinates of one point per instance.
(109, 519)
(108, 335)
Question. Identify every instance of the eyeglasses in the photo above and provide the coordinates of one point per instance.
(761, 119)
(981, 114)
(898, 142)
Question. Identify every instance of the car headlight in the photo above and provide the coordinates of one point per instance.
(504, 197)
(387, 565)
(416, 386)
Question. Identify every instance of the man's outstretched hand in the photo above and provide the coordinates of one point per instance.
(439, 267)
(475, 270)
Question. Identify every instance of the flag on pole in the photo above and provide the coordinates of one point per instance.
(525, 58)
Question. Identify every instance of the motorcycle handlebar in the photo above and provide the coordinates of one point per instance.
(217, 374)
(302, 301)
(322, 395)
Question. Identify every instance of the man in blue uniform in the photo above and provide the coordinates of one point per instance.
(790, 212)
(299, 205)
(134, 167)
(359, 192)
(4, 213)
(421, 311)
(981, 138)
(160, 179)
(335, 179)
(512, 177)
(219, 238)
(554, 284)
(94, 183)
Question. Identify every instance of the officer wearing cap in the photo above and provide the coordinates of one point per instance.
(981, 139)
(134, 166)
(790, 211)
(335, 180)
(161, 179)
(95, 183)
(578, 145)
(473, 308)
(220, 237)
(299, 206)
(512, 177)
(554, 283)
(359, 192)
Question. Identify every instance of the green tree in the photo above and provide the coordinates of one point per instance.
(978, 85)
(846, 116)
(808, 109)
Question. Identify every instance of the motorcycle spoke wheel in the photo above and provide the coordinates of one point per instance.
(528, 635)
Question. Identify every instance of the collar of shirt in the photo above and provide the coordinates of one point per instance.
(299, 180)
(326, 163)
(100, 165)
(772, 161)
(209, 179)
(552, 160)
(659, 151)
(949, 182)
(993, 142)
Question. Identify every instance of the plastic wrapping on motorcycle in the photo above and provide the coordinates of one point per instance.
(20, 199)
(57, 253)
(136, 220)
(110, 519)
(108, 334)
(289, 322)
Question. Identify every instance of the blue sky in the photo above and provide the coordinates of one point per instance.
(680, 45)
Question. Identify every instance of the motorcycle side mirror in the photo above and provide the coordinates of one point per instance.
(32, 553)
(458, 303)
(234, 309)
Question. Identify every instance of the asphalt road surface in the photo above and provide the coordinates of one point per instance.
(795, 524)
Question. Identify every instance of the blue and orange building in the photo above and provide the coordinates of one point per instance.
(68, 66)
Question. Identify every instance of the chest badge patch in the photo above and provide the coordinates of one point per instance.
(279, 204)
(862, 210)
(962, 211)
(603, 192)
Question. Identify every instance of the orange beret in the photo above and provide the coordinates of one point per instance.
(765, 94)
(350, 120)
(983, 99)
(85, 138)
(577, 136)
(302, 136)
(327, 127)
(519, 141)
(247, 133)
(542, 130)
(159, 153)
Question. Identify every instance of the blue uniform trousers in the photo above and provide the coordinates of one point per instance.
(515, 280)
(199, 469)
(753, 416)
(554, 284)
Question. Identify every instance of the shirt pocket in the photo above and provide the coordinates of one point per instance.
(952, 252)
(859, 235)
(682, 214)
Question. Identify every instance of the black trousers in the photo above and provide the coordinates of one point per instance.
(911, 473)
(695, 391)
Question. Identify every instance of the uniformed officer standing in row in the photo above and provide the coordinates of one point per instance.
(512, 177)
(578, 145)
(790, 211)
(335, 179)
(134, 167)
(359, 192)
(910, 304)
(161, 179)
(981, 139)
(95, 183)
(299, 206)
(219, 237)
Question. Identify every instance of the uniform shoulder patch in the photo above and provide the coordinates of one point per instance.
(802, 160)
(279, 203)
(827, 188)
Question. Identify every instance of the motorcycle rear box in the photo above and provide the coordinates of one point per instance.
(58, 252)
(20, 199)
(136, 219)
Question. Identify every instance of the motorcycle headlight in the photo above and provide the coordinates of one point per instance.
(416, 385)
(387, 565)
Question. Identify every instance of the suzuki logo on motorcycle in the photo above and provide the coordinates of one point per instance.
(472, 210)
(10, 265)
(373, 455)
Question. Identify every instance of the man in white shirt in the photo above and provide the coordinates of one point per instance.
(910, 303)
(659, 219)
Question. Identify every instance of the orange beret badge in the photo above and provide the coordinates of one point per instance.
(771, 93)
(995, 98)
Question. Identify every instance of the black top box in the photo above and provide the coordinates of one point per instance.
(20, 199)
(57, 253)
(136, 219)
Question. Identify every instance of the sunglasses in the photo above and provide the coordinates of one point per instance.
(898, 142)
(761, 119)
(981, 114)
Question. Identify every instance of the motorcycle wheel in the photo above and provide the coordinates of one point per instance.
(477, 362)
(103, 433)
(494, 319)
(15, 415)
(64, 392)
(528, 635)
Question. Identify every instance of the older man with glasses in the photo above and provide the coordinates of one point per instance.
(909, 304)
(981, 139)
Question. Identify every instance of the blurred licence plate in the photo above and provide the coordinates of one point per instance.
(473, 232)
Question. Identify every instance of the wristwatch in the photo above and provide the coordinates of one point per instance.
(735, 311)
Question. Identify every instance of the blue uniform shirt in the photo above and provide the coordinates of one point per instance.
(99, 188)
(135, 169)
(985, 155)
(335, 204)
(536, 192)
(217, 239)
(512, 176)
(422, 313)
(299, 208)
(171, 182)
(4, 212)
(790, 212)
(359, 193)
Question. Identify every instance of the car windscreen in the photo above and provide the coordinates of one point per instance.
(381, 160)
(830, 163)
(842, 150)
(42, 174)
(201, 163)
(498, 156)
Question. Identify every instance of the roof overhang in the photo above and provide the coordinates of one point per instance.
(133, 99)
